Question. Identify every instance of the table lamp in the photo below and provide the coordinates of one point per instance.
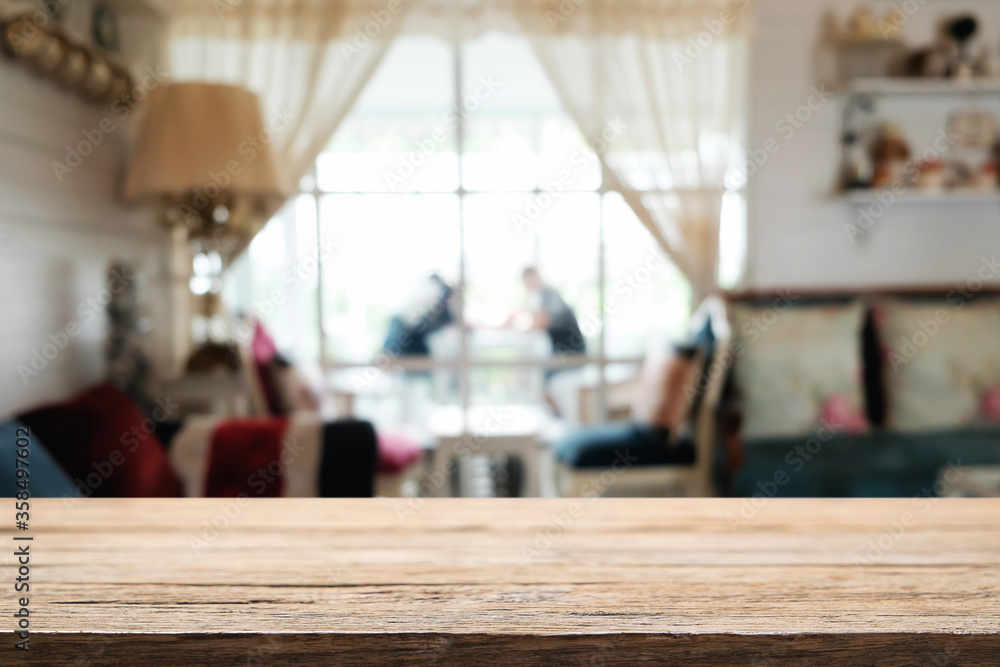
(205, 158)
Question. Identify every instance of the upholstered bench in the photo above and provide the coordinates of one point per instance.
(623, 459)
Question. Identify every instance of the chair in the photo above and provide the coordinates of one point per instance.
(684, 471)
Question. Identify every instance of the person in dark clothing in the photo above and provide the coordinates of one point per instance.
(426, 311)
(549, 311)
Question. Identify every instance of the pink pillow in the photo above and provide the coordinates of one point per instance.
(263, 345)
(990, 404)
(839, 410)
(396, 452)
(264, 352)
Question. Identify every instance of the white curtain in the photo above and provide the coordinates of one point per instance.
(308, 60)
(659, 87)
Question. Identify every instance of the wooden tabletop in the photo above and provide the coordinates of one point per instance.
(605, 582)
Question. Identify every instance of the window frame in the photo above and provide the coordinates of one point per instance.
(464, 365)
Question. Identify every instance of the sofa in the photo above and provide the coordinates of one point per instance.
(99, 444)
(908, 402)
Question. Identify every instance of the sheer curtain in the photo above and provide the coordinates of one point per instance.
(658, 86)
(308, 60)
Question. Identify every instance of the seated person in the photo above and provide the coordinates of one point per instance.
(550, 312)
(426, 310)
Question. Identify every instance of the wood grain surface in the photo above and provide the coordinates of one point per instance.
(590, 582)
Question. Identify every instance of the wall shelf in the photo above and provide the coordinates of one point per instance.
(865, 197)
(157, 8)
(915, 86)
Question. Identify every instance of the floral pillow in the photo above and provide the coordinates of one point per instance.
(941, 364)
(799, 369)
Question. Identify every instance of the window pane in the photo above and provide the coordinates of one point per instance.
(277, 279)
(573, 392)
(387, 247)
(400, 136)
(402, 402)
(646, 296)
(516, 134)
(504, 234)
(732, 239)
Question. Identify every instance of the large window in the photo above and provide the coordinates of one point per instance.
(458, 161)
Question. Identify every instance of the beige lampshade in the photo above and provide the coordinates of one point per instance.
(204, 138)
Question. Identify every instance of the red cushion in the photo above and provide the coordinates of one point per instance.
(106, 446)
(245, 457)
(264, 352)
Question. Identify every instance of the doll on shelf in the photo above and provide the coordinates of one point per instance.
(889, 154)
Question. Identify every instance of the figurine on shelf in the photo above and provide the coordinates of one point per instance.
(986, 64)
(973, 128)
(868, 48)
(959, 175)
(889, 154)
(857, 163)
(951, 55)
(961, 30)
(862, 27)
(985, 178)
(934, 61)
(892, 22)
(931, 176)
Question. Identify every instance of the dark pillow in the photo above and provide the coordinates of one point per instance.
(105, 445)
(874, 387)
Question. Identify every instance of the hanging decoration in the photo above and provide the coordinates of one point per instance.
(50, 53)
